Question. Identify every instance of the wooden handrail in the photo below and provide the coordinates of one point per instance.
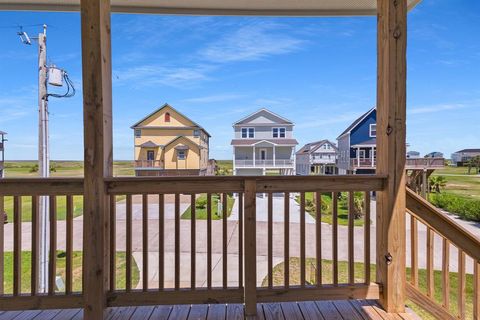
(447, 228)
(41, 186)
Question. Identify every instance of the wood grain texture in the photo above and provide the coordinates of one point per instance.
(335, 237)
(318, 237)
(17, 245)
(391, 150)
(250, 292)
(161, 241)
(52, 252)
(69, 245)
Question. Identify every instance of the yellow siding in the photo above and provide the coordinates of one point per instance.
(196, 156)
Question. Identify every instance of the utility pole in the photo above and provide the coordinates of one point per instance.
(43, 158)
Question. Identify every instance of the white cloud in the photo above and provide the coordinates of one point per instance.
(317, 123)
(437, 108)
(215, 98)
(251, 42)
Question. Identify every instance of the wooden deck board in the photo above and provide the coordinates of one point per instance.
(305, 310)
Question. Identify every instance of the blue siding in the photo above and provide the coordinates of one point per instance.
(361, 133)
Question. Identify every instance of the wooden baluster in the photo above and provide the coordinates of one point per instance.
(209, 240)
(225, 240)
(52, 259)
(270, 240)
(318, 237)
(351, 221)
(161, 241)
(302, 240)
(240, 240)
(193, 241)
(2, 233)
(17, 245)
(250, 291)
(335, 237)
(461, 284)
(145, 241)
(476, 290)
(69, 245)
(446, 273)
(366, 239)
(287, 240)
(35, 262)
(177, 241)
(113, 243)
(414, 251)
(128, 264)
(430, 278)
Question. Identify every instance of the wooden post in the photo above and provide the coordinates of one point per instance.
(250, 247)
(391, 123)
(97, 113)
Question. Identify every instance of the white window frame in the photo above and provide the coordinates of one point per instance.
(138, 133)
(181, 154)
(247, 130)
(279, 132)
(370, 131)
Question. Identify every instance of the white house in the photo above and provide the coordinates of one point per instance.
(263, 142)
(317, 157)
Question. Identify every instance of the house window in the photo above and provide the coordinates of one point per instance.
(248, 133)
(181, 154)
(196, 133)
(138, 133)
(362, 154)
(373, 130)
(150, 155)
(278, 132)
(167, 117)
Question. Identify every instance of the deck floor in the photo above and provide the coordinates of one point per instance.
(309, 310)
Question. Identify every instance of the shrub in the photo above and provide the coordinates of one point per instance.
(201, 203)
(467, 209)
(34, 168)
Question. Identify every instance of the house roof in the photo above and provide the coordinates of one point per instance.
(369, 142)
(468, 151)
(216, 7)
(2, 132)
(251, 142)
(313, 146)
(356, 122)
(166, 105)
(179, 137)
(149, 144)
(283, 120)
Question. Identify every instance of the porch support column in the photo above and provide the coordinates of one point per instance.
(254, 156)
(274, 155)
(372, 156)
(358, 156)
(391, 123)
(97, 118)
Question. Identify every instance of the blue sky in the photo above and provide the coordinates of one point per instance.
(318, 72)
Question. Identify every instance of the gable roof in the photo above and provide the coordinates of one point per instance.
(166, 105)
(283, 120)
(2, 132)
(356, 122)
(313, 146)
(179, 137)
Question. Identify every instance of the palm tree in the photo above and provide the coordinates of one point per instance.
(437, 183)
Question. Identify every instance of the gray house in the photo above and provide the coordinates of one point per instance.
(461, 157)
(263, 142)
(319, 157)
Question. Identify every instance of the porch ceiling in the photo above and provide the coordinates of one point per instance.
(216, 7)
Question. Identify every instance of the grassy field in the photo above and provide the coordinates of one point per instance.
(224, 167)
(26, 169)
(61, 261)
(327, 278)
(460, 183)
(201, 208)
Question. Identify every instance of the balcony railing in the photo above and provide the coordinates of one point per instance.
(148, 164)
(363, 162)
(277, 163)
(418, 163)
(183, 253)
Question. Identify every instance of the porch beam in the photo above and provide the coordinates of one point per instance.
(97, 117)
(391, 123)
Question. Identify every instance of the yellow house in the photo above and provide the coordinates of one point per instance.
(169, 143)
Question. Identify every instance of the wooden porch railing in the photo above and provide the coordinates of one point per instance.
(189, 271)
(451, 237)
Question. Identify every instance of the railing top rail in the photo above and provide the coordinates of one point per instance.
(444, 226)
(189, 184)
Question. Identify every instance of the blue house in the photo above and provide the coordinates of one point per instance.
(357, 145)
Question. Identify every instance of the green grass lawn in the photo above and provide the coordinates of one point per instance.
(224, 167)
(460, 183)
(61, 261)
(201, 208)
(327, 216)
(23, 169)
(327, 278)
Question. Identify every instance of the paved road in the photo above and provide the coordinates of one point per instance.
(233, 245)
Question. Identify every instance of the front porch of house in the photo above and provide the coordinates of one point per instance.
(264, 155)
